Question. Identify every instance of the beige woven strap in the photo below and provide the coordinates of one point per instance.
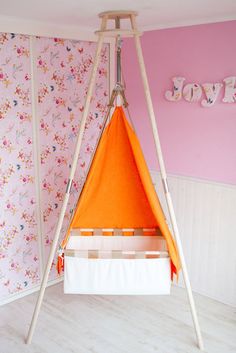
(117, 232)
(115, 254)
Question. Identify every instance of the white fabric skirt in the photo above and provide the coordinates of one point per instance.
(114, 276)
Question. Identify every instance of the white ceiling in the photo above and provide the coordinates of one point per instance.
(152, 13)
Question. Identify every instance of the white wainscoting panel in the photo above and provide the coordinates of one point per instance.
(206, 216)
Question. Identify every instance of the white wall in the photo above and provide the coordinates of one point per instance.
(206, 215)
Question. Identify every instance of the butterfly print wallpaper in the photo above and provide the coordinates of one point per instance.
(62, 73)
(19, 257)
(63, 68)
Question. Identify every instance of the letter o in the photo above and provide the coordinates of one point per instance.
(192, 92)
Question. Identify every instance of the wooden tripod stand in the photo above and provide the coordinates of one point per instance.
(117, 16)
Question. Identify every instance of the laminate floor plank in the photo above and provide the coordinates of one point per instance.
(116, 324)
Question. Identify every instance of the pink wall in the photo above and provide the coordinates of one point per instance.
(196, 141)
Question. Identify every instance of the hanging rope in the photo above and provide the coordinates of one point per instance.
(127, 106)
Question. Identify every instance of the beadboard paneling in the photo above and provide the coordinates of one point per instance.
(206, 216)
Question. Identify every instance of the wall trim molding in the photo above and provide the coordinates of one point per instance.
(36, 152)
(195, 179)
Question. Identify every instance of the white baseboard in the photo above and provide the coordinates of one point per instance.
(29, 291)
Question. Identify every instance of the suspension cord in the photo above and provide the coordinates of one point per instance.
(127, 105)
(120, 87)
(118, 60)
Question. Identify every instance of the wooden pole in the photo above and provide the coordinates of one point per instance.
(71, 176)
(164, 181)
(110, 106)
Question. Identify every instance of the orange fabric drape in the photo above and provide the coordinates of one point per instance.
(119, 192)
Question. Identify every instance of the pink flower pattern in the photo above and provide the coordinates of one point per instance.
(63, 70)
(17, 189)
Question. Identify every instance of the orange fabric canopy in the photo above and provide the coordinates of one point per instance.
(119, 192)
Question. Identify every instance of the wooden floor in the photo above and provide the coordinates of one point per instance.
(113, 324)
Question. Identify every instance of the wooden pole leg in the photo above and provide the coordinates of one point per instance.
(65, 202)
(165, 184)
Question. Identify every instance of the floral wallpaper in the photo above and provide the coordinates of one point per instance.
(63, 70)
(19, 258)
